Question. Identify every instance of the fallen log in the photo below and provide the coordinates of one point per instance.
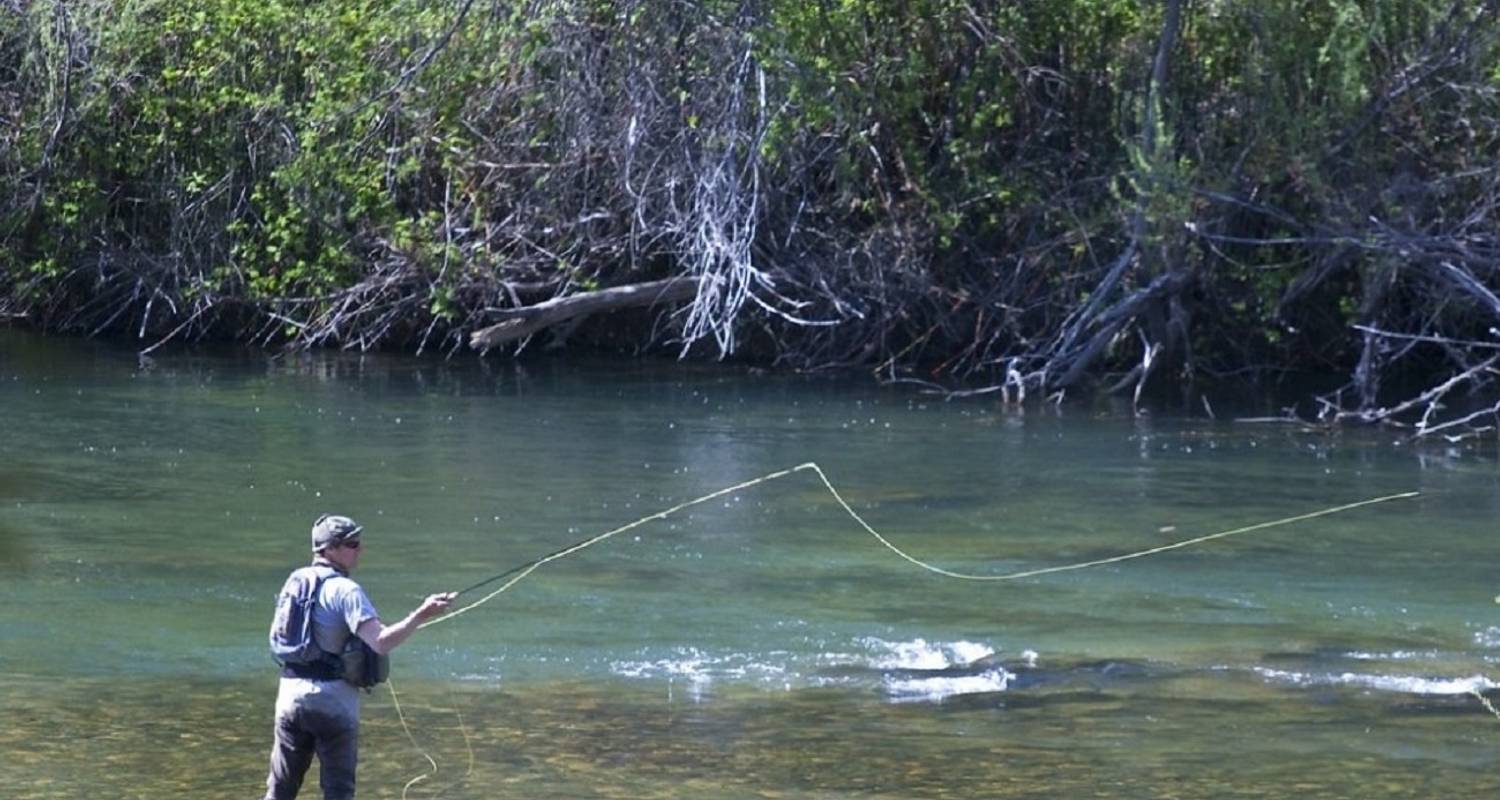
(518, 323)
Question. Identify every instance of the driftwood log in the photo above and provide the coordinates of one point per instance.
(518, 323)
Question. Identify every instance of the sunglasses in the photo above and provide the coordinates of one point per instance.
(352, 544)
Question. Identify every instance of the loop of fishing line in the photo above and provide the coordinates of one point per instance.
(431, 762)
(517, 574)
(389, 684)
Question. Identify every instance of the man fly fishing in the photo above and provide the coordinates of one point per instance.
(330, 643)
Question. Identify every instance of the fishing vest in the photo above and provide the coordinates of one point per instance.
(295, 647)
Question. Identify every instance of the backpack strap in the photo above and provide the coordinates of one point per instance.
(330, 666)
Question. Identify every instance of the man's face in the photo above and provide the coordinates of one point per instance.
(345, 553)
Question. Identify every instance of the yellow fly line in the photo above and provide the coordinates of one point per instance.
(1485, 701)
(431, 762)
(518, 575)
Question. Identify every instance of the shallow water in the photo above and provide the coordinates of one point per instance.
(761, 645)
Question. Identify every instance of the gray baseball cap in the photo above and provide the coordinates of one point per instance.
(331, 529)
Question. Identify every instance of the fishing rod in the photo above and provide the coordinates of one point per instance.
(582, 543)
(535, 562)
(517, 573)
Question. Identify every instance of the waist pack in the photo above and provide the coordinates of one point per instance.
(362, 666)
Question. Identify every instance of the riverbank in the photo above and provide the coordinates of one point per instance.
(1077, 197)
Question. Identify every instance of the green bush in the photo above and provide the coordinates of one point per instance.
(947, 173)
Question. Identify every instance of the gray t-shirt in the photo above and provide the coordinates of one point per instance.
(342, 607)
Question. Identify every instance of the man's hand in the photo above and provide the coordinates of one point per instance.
(434, 605)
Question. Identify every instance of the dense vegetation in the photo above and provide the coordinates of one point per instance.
(1024, 196)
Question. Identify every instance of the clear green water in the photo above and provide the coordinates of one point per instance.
(759, 646)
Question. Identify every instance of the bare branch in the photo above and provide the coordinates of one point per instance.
(518, 323)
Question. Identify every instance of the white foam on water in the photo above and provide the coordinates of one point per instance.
(697, 666)
(478, 677)
(1395, 655)
(919, 654)
(1404, 684)
(928, 690)
(1489, 637)
(780, 668)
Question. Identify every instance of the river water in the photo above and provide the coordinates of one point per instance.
(760, 645)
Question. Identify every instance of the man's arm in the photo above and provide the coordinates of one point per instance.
(384, 638)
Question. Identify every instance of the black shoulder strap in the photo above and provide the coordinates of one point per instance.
(330, 666)
(321, 573)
